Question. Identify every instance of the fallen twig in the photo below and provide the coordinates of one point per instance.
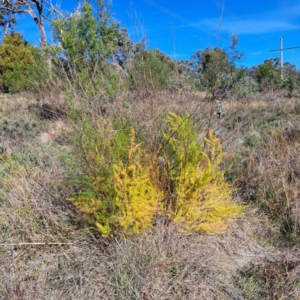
(35, 244)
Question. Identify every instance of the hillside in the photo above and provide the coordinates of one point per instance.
(126, 174)
(256, 257)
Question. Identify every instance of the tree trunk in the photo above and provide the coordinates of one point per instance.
(41, 27)
(38, 20)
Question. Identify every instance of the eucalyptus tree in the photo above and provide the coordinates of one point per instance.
(216, 69)
(7, 20)
(39, 10)
(92, 49)
(268, 74)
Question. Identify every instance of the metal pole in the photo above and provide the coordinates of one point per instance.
(281, 54)
(281, 58)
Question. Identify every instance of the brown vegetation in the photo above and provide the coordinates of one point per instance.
(257, 257)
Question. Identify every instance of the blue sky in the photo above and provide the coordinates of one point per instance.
(180, 28)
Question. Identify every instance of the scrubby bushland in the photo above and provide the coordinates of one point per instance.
(121, 192)
(290, 79)
(246, 87)
(147, 178)
(244, 262)
(123, 187)
(150, 70)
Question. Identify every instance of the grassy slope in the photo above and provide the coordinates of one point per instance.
(257, 258)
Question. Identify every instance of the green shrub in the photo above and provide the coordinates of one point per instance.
(268, 75)
(123, 187)
(215, 70)
(116, 193)
(21, 65)
(246, 87)
(15, 57)
(150, 70)
(203, 198)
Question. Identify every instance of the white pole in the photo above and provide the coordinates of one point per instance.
(281, 57)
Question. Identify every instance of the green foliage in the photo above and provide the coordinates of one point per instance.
(290, 78)
(117, 195)
(268, 75)
(290, 85)
(89, 41)
(122, 189)
(16, 57)
(136, 196)
(22, 66)
(203, 197)
(214, 63)
(15, 49)
(215, 71)
(150, 70)
(86, 39)
(246, 87)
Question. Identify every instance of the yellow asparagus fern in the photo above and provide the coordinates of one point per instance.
(123, 192)
(203, 197)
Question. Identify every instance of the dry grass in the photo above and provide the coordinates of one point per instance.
(249, 261)
(266, 163)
